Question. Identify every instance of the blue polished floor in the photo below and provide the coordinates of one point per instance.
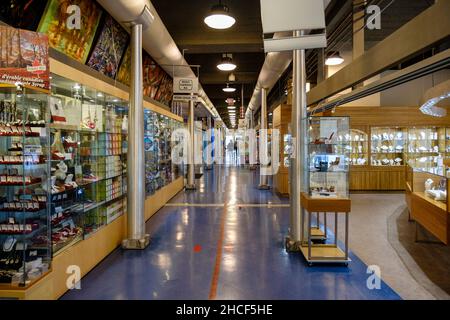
(180, 263)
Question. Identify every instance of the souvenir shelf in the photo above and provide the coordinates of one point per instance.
(159, 169)
(388, 146)
(327, 187)
(88, 159)
(427, 199)
(25, 252)
(358, 148)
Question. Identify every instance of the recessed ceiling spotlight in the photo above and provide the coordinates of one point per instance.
(229, 89)
(227, 63)
(219, 17)
(334, 59)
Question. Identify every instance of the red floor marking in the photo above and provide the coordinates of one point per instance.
(197, 248)
(215, 277)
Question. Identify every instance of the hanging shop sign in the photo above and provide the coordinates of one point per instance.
(185, 85)
(185, 97)
(24, 58)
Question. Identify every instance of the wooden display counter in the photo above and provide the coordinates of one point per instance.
(431, 214)
(89, 252)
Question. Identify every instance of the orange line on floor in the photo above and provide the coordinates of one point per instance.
(216, 273)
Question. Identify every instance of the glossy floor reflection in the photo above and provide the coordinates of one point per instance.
(181, 260)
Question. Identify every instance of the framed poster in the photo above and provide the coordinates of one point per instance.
(124, 73)
(24, 57)
(165, 90)
(108, 50)
(24, 14)
(75, 43)
(152, 75)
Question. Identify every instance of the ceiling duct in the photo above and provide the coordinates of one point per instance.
(157, 41)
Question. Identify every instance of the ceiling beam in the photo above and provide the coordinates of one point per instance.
(425, 30)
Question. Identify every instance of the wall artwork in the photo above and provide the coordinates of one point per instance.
(73, 42)
(152, 75)
(23, 14)
(110, 46)
(124, 73)
(165, 90)
(24, 57)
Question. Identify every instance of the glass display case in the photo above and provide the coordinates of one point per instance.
(358, 148)
(388, 146)
(88, 161)
(25, 252)
(159, 169)
(327, 170)
(425, 147)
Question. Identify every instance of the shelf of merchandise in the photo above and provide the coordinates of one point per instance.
(281, 121)
(30, 106)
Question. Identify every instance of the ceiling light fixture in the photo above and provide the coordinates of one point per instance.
(229, 89)
(227, 63)
(334, 59)
(219, 17)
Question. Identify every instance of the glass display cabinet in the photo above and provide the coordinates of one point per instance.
(358, 148)
(388, 146)
(88, 161)
(328, 149)
(425, 147)
(327, 174)
(159, 169)
(25, 252)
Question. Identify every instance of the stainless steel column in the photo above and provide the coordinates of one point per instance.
(263, 185)
(191, 165)
(137, 239)
(298, 135)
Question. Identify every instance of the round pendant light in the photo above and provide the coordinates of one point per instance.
(334, 59)
(219, 17)
(229, 89)
(227, 63)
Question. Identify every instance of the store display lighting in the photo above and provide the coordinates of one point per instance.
(334, 59)
(219, 17)
(76, 86)
(227, 63)
(229, 89)
(430, 107)
(99, 95)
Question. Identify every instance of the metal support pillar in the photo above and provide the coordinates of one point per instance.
(137, 239)
(263, 184)
(298, 130)
(191, 165)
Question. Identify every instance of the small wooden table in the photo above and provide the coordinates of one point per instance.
(324, 253)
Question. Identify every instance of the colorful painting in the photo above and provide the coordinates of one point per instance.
(165, 90)
(75, 43)
(124, 73)
(23, 14)
(108, 51)
(152, 75)
(24, 57)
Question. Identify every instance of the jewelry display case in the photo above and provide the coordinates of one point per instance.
(327, 174)
(358, 147)
(25, 252)
(88, 160)
(328, 148)
(425, 147)
(388, 146)
(429, 205)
